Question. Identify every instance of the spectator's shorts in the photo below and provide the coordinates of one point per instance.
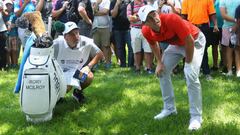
(226, 36)
(12, 43)
(101, 37)
(138, 41)
(85, 28)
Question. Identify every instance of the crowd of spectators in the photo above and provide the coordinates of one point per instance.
(116, 21)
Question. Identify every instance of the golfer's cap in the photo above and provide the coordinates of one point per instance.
(69, 26)
(144, 11)
(8, 2)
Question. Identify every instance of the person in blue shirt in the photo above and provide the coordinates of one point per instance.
(12, 45)
(21, 7)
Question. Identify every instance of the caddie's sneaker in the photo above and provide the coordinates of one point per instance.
(195, 124)
(78, 96)
(165, 113)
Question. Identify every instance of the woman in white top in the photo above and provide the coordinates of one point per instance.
(168, 6)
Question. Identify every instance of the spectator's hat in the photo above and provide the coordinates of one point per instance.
(69, 26)
(144, 11)
(8, 2)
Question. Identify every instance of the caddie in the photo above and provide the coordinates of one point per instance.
(76, 55)
(185, 40)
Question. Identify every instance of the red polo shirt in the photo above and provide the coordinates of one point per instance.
(173, 30)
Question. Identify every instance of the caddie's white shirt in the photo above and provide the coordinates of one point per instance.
(72, 59)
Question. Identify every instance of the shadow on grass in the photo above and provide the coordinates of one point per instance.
(121, 102)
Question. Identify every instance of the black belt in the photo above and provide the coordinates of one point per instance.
(200, 25)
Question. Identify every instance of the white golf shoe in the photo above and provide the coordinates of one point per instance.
(165, 113)
(195, 124)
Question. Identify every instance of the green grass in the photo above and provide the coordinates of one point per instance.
(120, 102)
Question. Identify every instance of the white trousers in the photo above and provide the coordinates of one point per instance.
(172, 55)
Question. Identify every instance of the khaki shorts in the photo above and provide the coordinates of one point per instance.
(138, 41)
(13, 43)
(101, 37)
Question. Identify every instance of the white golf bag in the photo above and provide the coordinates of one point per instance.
(43, 84)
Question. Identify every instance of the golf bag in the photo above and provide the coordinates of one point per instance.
(43, 84)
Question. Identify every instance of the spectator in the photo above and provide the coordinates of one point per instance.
(21, 7)
(168, 6)
(59, 12)
(13, 47)
(215, 37)
(101, 29)
(139, 43)
(227, 8)
(85, 23)
(121, 27)
(3, 29)
(199, 16)
(237, 26)
(74, 52)
(185, 40)
(45, 7)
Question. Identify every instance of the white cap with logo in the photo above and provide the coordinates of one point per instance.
(69, 26)
(144, 11)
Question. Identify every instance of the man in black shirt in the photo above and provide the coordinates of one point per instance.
(121, 27)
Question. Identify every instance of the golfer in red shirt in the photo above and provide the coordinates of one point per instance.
(185, 40)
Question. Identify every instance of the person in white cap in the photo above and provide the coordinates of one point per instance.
(185, 40)
(76, 54)
(3, 29)
(21, 7)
